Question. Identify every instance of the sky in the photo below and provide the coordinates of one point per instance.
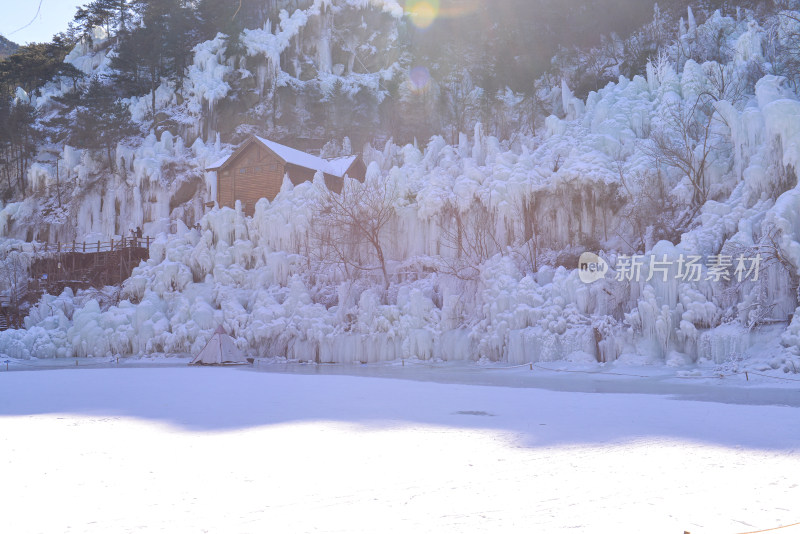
(52, 17)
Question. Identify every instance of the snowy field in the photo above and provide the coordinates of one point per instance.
(174, 449)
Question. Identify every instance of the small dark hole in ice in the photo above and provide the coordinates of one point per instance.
(474, 412)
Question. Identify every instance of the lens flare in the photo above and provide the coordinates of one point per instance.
(422, 12)
(419, 77)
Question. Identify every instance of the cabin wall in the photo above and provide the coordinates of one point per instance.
(257, 172)
(357, 170)
(298, 175)
(254, 174)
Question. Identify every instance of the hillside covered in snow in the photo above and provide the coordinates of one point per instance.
(678, 171)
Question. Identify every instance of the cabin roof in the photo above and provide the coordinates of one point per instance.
(219, 163)
(335, 167)
(339, 166)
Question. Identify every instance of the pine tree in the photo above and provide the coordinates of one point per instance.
(18, 140)
(183, 35)
(58, 126)
(101, 120)
(110, 14)
(33, 65)
(92, 118)
(158, 47)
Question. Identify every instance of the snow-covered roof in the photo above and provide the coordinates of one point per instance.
(295, 157)
(308, 161)
(339, 166)
(335, 167)
(219, 163)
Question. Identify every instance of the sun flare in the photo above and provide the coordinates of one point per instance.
(422, 12)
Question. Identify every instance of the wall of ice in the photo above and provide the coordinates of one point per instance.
(533, 204)
(155, 184)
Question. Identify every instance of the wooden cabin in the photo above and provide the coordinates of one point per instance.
(256, 170)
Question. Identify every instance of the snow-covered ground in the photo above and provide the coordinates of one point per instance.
(172, 449)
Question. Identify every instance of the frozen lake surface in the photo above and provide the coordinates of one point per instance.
(356, 449)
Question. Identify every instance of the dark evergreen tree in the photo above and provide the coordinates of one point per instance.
(101, 121)
(18, 139)
(157, 47)
(182, 36)
(33, 65)
(58, 126)
(112, 15)
(92, 118)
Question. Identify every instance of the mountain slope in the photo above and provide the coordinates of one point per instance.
(7, 47)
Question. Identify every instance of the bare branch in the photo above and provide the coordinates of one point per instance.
(347, 228)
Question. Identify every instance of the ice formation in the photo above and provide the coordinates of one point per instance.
(481, 246)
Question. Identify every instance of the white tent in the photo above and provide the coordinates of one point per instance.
(220, 350)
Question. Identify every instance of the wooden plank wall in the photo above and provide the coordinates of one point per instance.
(256, 173)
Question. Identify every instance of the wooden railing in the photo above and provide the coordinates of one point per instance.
(95, 247)
(55, 266)
(9, 305)
(15, 293)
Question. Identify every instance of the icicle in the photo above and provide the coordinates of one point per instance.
(286, 185)
(652, 81)
(478, 145)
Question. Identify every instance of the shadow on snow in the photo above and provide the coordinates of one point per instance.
(533, 411)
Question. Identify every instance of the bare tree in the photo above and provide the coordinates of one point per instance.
(533, 106)
(725, 85)
(772, 265)
(783, 51)
(649, 214)
(13, 281)
(471, 235)
(348, 228)
(684, 142)
(460, 102)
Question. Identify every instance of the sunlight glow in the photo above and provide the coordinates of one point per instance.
(420, 77)
(422, 12)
